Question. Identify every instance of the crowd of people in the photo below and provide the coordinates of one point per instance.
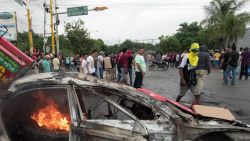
(197, 63)
(115, 67)
(231, 62)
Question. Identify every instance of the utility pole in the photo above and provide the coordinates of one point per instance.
(44, 32)
(57, 34)
(29, 27)
(52, 28)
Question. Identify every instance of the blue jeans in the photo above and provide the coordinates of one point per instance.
(227, 74)
(124, 75)
(130, 72)
(101, 73)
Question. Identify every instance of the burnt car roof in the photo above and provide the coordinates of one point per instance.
(62, 79)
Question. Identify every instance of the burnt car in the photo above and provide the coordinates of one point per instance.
(77, 107)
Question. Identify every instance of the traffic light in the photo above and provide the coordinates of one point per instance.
(57, 20)
(47, 9)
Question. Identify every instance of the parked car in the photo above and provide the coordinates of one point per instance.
(77, 107)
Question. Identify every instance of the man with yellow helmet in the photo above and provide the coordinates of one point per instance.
(187, 73)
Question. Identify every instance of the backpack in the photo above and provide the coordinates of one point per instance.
(67, 60)
(189, 75)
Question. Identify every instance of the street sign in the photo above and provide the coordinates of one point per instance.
(19, 2)
(8, 20)
(76, 11)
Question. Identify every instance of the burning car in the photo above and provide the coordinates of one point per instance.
(76, 107)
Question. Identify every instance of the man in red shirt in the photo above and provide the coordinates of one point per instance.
(124, 66)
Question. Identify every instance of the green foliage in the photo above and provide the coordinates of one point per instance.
(65, 46)
(223, 23)
(188, 34)
(78, 37)
(134, 46)
(99, 45)
(169, 43)
(23, 41)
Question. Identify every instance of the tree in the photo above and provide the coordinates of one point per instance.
(190, 33)
(223, 23)
(78, 37)
(65, 46)
(99, 45)
(132, 45)
(169, 43)
(23, 41)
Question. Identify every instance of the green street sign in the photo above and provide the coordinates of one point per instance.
(76, 11)
(19, 2)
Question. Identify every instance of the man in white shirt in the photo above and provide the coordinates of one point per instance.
(83, 66)
(91, 64)
(56, 64)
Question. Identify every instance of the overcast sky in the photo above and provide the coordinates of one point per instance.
(125, 19)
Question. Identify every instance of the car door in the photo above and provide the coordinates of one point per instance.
(102, 119)
(36, 113)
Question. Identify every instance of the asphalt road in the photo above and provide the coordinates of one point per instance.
(235, 98)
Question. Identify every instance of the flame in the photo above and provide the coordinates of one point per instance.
(51, 118)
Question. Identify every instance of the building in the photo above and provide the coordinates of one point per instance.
(245, 41)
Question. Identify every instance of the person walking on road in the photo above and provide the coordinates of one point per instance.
(91, 63)
(118, 66)
(245, 61)
(203, 68)
(83, 66)
(188, 75)
(108, 67)
(224, 62)
(100, 64)
(140, 68)
(217, 57)
(130, 67)
(67, 63)
(232, 65)
(56, 63)
(124, 66)
(47, 64)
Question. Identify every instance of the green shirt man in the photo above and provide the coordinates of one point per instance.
(140, 68)
(139, 59)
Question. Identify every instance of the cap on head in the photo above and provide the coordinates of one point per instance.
(194, 46)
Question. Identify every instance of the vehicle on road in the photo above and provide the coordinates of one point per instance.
(158, 64)
(77, 107)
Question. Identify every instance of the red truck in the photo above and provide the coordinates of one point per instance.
(13, 62)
